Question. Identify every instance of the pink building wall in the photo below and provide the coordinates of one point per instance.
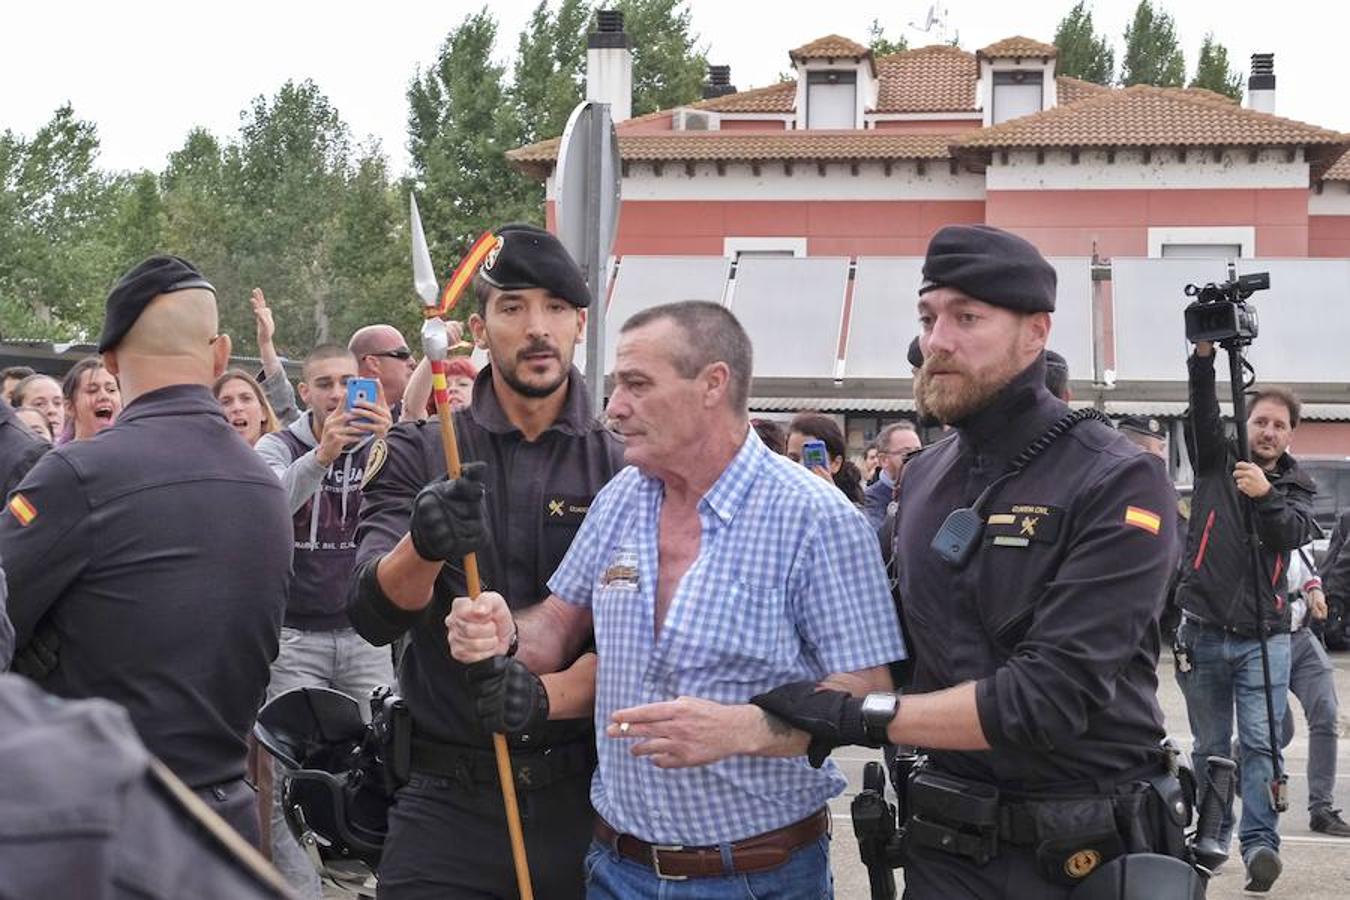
(1329, 236)
(753, 125)
(1066, 223)
(929, 126)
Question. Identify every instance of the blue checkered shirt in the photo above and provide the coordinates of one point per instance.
(788, 586)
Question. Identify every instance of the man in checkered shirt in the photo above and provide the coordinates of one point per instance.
(711, 570)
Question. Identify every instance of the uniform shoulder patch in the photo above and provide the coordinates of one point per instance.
(379, 454)
(1144, 519)
(22, 509)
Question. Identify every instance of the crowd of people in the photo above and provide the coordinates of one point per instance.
(679, 618)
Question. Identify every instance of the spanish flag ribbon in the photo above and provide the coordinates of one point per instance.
(21, 509)
(1143, 518)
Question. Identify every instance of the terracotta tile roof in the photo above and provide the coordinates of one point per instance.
(1017, 47)
(832, 46)
(776, 98)
(743, 146)
(929, 79)
(1340, 169)
(1071, 90)
(1143, 116)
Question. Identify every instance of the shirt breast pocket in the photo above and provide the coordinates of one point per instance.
(743, 630)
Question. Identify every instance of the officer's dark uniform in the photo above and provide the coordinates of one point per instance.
(447, 829)
(155, 559)
(1054, 617)
(19, 450)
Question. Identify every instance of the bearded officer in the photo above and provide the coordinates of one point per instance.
(1035, 630)
(535, 457)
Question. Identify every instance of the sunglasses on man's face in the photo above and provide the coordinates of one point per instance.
(400, 353)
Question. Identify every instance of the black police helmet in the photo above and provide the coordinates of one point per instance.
(332, 781)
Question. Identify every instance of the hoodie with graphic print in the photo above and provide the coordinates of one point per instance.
(325, 502)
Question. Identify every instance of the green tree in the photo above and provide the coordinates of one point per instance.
(1152, 54)
(1213, 72)
(56, 209)
(1082, 52)
(139, 223)
(549, 72)
(459, 127)
(668, 66)
(879, 44)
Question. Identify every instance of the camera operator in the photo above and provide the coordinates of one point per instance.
(1218, 649)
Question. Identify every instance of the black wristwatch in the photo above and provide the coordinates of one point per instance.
(877, 712)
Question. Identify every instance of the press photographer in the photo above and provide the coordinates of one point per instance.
(1251, 507)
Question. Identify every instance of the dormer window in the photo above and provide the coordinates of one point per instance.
(831, 99)
(1017, 93)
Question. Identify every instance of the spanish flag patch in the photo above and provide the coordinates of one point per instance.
(22, 510)
(1142, 518)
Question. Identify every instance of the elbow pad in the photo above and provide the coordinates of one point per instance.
(374, 616)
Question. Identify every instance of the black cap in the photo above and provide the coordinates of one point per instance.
(134, 291)
(992, 265)
(530, 257)
(1143, 425)
(915, 355)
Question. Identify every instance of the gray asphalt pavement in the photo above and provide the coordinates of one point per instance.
(1316, 867)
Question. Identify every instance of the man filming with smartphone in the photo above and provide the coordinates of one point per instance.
(321, 459)
(1218, 644)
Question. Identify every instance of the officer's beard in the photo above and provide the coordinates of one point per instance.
(959, 393)
(536, 391)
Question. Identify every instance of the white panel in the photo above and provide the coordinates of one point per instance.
(884, 318)
(647, 281)
(831, 105)
(1244, 236)
(1071, 324)
(1304, 318)
(792, 309)
(1012, 101)
(1333, 201)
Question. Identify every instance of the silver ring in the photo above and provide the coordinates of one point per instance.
(623, 728)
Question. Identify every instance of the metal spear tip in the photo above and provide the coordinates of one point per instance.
(424, 273)
(435, 340)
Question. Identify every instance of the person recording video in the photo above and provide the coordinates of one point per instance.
(1218, 644)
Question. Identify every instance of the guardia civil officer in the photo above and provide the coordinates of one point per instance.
(1035, 631)
(538, 455)
(19, 449)
(88, 812)
(148, 566)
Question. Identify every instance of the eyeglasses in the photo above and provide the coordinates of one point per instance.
(400, 353)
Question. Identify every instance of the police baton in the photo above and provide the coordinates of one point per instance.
(436, 346)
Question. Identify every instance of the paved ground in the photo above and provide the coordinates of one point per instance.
(1315, 867)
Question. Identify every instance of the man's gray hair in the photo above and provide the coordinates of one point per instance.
(883, 440)
(711, 334)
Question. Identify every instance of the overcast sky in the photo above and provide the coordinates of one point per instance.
(146, 72)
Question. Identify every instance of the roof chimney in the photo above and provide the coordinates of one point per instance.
(609, 65)
(719, 82)
(1261, 83)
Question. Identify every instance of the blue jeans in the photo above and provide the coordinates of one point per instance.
(805, 876)
(1226, 675)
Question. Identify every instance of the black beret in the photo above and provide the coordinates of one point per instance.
(992, 265)
(1143, 425)
(134, 291)
(530, 257)
(915, 355)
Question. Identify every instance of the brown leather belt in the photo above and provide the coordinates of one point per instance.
(757, 854)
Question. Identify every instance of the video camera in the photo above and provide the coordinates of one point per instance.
(1220, 312)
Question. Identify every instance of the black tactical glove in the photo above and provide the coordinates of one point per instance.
(832, 718)
(511, 699)
(447, 517)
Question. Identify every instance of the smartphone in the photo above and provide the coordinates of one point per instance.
(814, 454)
(367, 389)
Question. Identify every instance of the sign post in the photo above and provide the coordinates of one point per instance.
(587, 201)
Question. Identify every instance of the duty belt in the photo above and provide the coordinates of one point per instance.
(757, 854)
(533, 769)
